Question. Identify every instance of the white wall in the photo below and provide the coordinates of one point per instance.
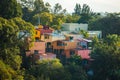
(95, 33)
(74, 27)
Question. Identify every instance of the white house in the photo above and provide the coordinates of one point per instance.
(97, 34)
(74, 27)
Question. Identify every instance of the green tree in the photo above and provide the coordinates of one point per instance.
(58, 20)
(26, 3)
(7, 73)
(72, 18)
(77, 9)
(75, 68)
(84, 33)
(108, 25)
(40, 7)
(106, 59)
(9, 49)
(11, 44)
(10, 9)
(49, 69)
(45, 18)
(27, 14)
(57, 8)
(85, 13)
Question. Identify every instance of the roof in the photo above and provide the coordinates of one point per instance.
(82, 39)
(44, 31)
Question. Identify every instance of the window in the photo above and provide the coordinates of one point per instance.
(61, 50)
(59, 43)
(46, 36)
(72, 52)
(78, 44)
(35, 51)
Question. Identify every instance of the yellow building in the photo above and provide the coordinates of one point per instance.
(37, 34)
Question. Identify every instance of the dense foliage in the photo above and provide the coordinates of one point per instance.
(106, 57)
(109, 24)
(14, 65)
(10, 9)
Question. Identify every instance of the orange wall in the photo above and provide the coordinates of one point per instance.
(38, 46)
(54, 44)
(67, 53)
(68, 45)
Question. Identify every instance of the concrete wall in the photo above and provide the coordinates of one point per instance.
(40, 46)
(95, 33)
(74, 27)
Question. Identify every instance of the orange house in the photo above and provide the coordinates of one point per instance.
(64, 47)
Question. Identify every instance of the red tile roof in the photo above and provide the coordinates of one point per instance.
(43, 31)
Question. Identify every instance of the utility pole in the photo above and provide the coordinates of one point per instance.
(39, 16)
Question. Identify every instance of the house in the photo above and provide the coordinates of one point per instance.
(97, 34)
(56, 35)
(74, 27)
(84, 53)
(84, 43)
(42, 33)
(63, 47)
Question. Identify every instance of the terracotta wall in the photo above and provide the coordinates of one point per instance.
(67, 53)
(55, 46)
(70, 45)
(38, 46)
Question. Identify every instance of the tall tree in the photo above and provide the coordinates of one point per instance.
(26, 3)
(10, 9)
(106, 59)
(49, 69)
(108, 25)
(85, 12)
(11, 44)
(45, 18)
(77, 9)
(72, 18)
(74, 66)
(57, 8)
(40, 6)
(58, 19)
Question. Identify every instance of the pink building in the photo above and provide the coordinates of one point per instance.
(37, 48)
(85, 54)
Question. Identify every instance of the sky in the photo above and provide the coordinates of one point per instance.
(95, 5)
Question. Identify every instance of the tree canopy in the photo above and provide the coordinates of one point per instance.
(10, 9)
(108, 25)
(106, 59)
